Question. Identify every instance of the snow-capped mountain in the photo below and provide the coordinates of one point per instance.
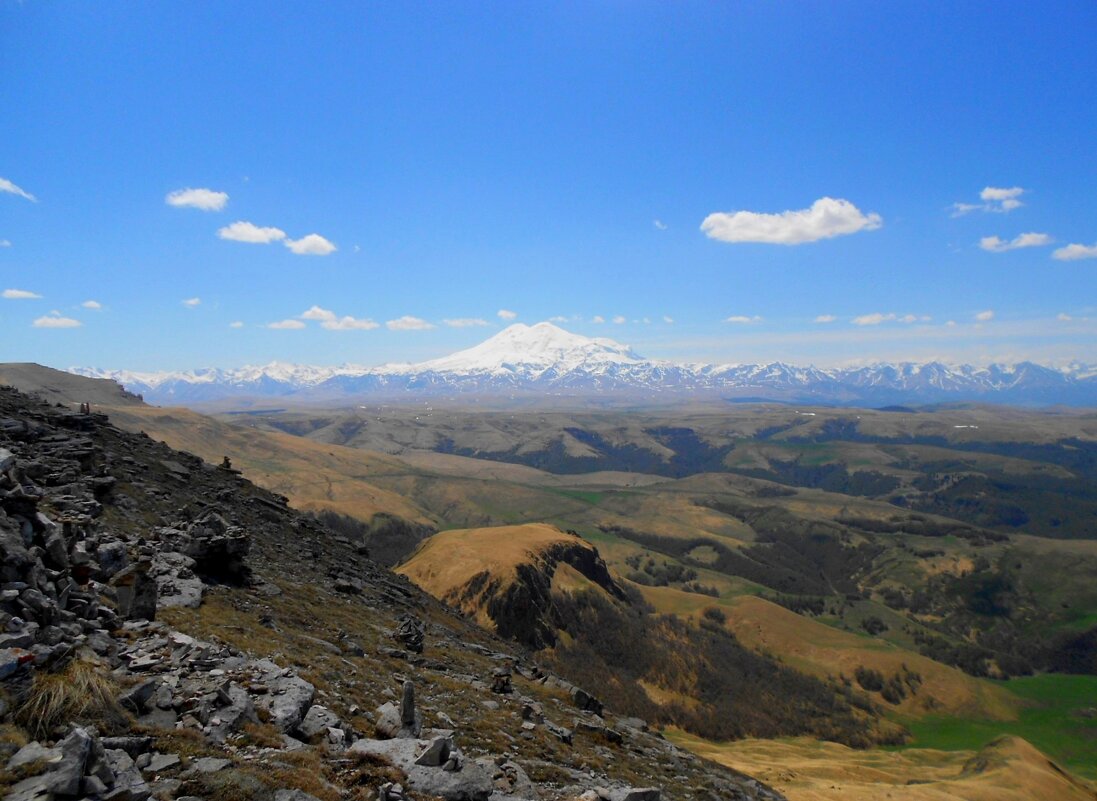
(545, 359)
(532, 350)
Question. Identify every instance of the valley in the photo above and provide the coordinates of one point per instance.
(808, 538)
(812, 552)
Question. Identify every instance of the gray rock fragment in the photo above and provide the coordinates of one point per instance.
(34, 752)
(206, 765)
(67, 773)
(436, 753)
(316, 723)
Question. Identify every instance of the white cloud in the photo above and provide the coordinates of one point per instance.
(659, 225)
(310, 245)
(741, 319)
(286, 325)
(619, 319)
(94, 305)
(873, 319)
(825, 318)
(408, 323)
(348, 323)
(1073, 252)
(241, 231)
(192, 303)
(506, 314)
(558, 319)
(333, 322)
(985, 316)
(598, 319)
(203, 199)
(1029, 240)
(317, 313)
(19, 294)
(1063, 317)
(5, 243)
(236, 324)
(951, 323)
(995, 199)
(668, 319)
(1007, 197)
(12, 189)
(55, 320)
(828, 217)
(467, 322)
(876, 318)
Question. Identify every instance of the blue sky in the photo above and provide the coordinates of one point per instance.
(583, 161)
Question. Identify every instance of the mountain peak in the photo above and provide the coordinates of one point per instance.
(537, 347)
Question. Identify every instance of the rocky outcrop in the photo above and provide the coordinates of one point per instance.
(454, 778)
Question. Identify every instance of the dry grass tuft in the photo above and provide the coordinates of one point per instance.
(228, 785)
(12, 738)
(188, 743)
(263, 735)
(83, 692)
(367, 773)
(303, 770)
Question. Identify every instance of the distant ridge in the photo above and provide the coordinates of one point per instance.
(544, 359)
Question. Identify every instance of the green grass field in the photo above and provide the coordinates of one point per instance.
(592, 497)
(1060, 720)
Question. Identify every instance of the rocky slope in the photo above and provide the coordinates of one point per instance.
(171, 630)
(540, 359)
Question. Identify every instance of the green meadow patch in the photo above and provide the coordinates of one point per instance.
(1059, 718)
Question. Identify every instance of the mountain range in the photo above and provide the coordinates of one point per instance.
(544, 359)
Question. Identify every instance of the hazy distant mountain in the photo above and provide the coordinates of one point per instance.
(544, 359)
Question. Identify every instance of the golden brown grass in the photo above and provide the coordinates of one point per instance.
(365, 774)
(823, 651)
(817, 648)
(302, 770)
(449, 559)
(233, 784)
(12, 736)
(263, 735)
(312, 474)
(1008, 769)
(83, 692)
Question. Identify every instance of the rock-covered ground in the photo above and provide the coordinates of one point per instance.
(168, 630)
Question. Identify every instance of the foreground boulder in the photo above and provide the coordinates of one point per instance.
(454, 779)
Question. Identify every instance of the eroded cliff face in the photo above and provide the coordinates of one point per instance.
(510, 577)
(170, 629)
(523, 606)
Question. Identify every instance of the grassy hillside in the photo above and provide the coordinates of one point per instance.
(311, 474)
(550, 590)
(1005, 769)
